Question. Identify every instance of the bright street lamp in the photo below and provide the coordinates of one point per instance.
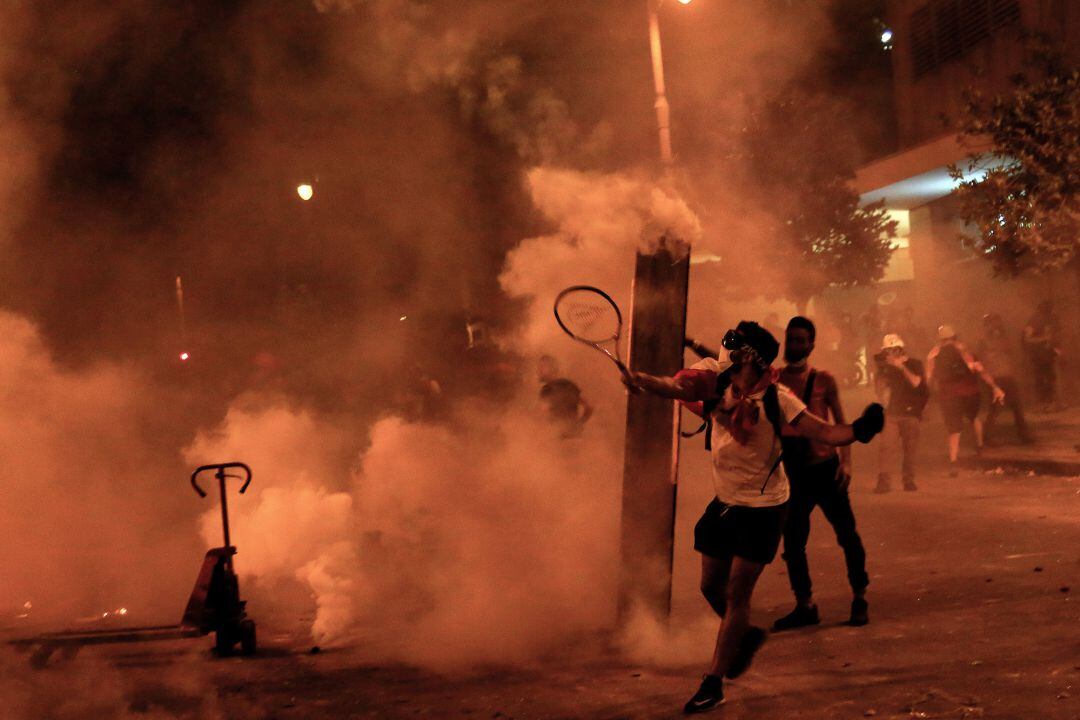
(305, 191)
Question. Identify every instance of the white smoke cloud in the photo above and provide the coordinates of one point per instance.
(602, 220)
(454, 545)
(90, 686)
(85, 519)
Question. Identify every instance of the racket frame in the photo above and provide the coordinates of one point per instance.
(596, 345)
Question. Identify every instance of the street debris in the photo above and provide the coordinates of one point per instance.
(940, 705)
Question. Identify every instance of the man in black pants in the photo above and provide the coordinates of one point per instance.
(819, 475)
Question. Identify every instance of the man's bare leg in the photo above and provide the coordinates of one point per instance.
(740, 587)
(954, 447)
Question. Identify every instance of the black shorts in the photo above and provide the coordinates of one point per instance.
(959, 409)
(752, 533)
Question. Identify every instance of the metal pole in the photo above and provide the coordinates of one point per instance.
(657, 330)
(663, 110)
(224, 506)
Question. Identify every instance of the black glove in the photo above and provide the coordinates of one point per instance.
(870, 423)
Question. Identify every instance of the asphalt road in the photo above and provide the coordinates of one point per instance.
(974, 614)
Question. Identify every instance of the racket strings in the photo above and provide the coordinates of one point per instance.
(594, 321)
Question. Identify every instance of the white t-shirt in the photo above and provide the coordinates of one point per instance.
(749, 474)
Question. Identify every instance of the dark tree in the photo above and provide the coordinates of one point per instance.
(816, 235)
(1020, 195)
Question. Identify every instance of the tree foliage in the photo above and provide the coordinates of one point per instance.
(1021, 196)
(818, 236)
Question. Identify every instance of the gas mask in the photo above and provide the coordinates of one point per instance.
(739, 351)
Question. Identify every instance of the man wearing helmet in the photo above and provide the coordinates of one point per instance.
(740, 531)
(901, 384)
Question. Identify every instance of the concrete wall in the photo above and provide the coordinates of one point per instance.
(928, 106)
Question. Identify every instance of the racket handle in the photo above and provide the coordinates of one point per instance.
(628, 378)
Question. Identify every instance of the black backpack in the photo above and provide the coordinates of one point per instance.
(723, 381)
(952, 365)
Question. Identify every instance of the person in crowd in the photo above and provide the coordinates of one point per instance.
(566, 408)
(1042, 350)
(423, 395)
(745, 408)
(996, 353)
(819, 475)
(901, 386)
(956, 374)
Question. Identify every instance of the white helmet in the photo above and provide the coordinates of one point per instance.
(892, 340)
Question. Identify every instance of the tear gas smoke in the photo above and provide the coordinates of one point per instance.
(451, 543)
(97, 689)
(151, 144)
(199, 180)
(92, 480)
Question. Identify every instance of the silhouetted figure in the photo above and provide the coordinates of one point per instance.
(423, 396)
(1041, 347)
(996, 353)
(566, 408)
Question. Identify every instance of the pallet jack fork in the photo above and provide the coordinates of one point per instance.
(213, 607)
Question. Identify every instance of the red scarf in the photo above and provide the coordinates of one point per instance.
(745, 414)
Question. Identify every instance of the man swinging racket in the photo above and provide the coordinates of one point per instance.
(740, 531)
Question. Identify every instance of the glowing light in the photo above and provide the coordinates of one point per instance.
(403, 318)
(122, 611)
(305, 191)
(685, 2)
(886, 36)
(184, 356)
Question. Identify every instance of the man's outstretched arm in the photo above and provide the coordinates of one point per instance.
(688, 385)
(863, 430)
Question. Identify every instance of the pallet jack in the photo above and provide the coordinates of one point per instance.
(213, 607)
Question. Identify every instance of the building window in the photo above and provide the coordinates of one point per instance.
(944, 30)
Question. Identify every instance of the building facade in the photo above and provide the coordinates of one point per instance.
(941, 48)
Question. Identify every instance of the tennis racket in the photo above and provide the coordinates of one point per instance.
(590, 316)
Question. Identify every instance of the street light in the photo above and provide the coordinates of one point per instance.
(657, 330)
(663, 110)
(305, 191)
